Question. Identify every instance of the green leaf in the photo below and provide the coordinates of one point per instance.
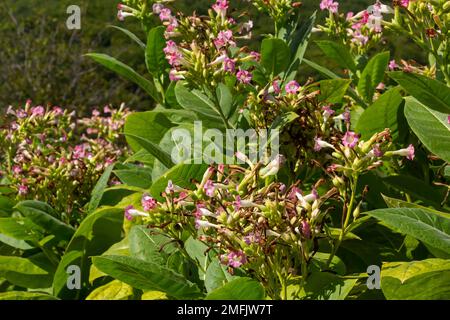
(198, 251)
(432, 93)
(131, 35)
(298, 46)
(96, 233)
(430, 126)
(333, 91)
(146, 275)
(283, 120)
(99, 189)
(326, 286)
(136, 176)
(153, 149)
(154, 295)
(416, 280)
(42, 215)
(150, 125)
(238, 289)
(324, 71)
(275, 56)
(127, 72)
(372, 75)
(25, 272)
(114, 290)
(319, 263)
(338, 53)
(150, 245)
(155, 58)
(194, 100)
(397, 203)
(384, 113)
(216, 276)
(6, 206)
(225, 99)
(424, 225)
(24, 295)
(181, 175)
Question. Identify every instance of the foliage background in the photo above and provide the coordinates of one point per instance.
(41, 59)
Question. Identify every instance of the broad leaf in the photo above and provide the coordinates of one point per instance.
(155, 58)
(372, 75)
(332, 91)
(275, 56)
(432, 93)
(326, 286)
(216, 275)
(386, 112)
(424, 225)
(238, 289)
(96, 233)
(416, 280)
(153, 149)
(25, 272)
(430, 126)
(150, 245)
(125, 71)
(43, 215)
(24, 295)
(114, 290)
(99, 189)
(338, 53)
(146, 275)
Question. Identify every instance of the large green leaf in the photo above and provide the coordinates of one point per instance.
(298, 46)
(25, 272)
(131, 35)
(150, 245)
(372, 75)
(125, 71)
(275, 56)
(424, 225)
(430, 126)
(416, 280)
(114, 290)
(386, 112)
(196, 101)
(333, 90)
(99, 189)
(338, 53)
(238, 289)
(432, 93)
(25, 295)
(150, 125)
(96, 233)
(136, 176)
(147, 275)
(216, 275)
(181, 175)
(155, 57)
(43, 215)
(198, 251)
(326, 286)
(153, 149)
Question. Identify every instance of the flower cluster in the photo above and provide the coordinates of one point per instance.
(207, 51)
(280, 11)
(360, 31)
(49, 155)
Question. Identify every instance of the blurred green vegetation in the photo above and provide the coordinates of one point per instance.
(42, 60)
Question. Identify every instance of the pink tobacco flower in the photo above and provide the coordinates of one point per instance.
(234, 259)
(404, 3)
(448, 119)
(350, 139)
(292, 87)
(409, 152)
(306, 229)
(244, 76)
(276, 87)
(392, 65)
(329, 5)
(148, 202)
(220, 7)
(229, 65)
(165, 14)
(38, 111)
(376, 151)
(223, 39)
(319, 144)
(157, 7)
(209, 188)
(131, 212)
(23, 190)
